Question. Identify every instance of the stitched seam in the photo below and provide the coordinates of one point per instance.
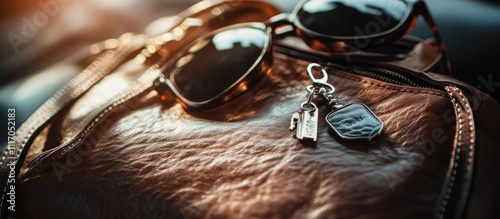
(470, 151)
(471, 129)
(458, 138)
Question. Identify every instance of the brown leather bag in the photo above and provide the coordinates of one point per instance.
(136, 156)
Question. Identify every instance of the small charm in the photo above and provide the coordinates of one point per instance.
(306, 122)
(355, 121)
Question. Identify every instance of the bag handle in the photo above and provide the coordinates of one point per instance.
(13, 155)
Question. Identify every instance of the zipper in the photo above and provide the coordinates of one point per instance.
(387, 75)
(412, 38)
(382, 74)
(368, 70)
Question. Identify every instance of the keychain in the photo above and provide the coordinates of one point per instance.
(354, 121)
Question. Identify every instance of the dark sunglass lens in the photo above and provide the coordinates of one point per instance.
(347, 18)
(213, 64)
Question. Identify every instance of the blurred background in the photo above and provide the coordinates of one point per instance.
(39, 40)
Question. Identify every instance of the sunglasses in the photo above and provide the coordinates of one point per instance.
(216, 67)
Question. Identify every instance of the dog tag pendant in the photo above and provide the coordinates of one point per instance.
(306, 122)
(355, 121)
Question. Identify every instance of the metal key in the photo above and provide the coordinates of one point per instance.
(306, 122)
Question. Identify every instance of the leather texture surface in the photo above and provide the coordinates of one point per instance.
(156, 159)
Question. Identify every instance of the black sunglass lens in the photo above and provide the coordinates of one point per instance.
(347, 18)
(213, 64)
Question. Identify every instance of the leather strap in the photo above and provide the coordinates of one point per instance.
(455, 191)
(13, 155)
(142, 84)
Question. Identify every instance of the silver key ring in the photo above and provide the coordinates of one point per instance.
(308, 107)
(328, 87)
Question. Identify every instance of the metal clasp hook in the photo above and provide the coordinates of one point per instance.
(319, 82)
(323, 80)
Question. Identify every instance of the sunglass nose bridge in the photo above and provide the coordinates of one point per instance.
(279, 20)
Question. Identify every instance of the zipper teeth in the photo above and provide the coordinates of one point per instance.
(391, 74)
(412, 38)
(377, 73)
(377, 76)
